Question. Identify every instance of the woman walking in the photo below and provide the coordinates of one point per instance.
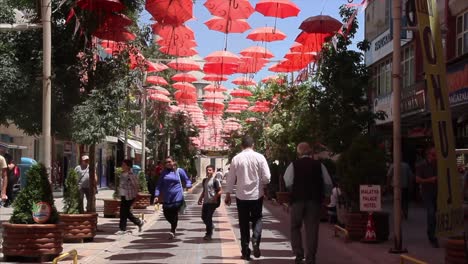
(128, 188)
(170, 184)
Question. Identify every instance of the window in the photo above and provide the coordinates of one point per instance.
(407, 68)
(462, 34)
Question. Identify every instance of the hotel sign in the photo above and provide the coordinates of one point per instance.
(457, 77)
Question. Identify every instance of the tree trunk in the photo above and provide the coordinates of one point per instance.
(92, 179)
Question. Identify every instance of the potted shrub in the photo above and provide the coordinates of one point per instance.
(143, 199)
(362, 163)
(112, 206)
(33, 229)
(77, 225)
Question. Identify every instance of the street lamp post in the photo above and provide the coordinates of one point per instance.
(46, 83)
(143, 125)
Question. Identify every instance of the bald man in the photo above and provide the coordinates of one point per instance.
(306, 181)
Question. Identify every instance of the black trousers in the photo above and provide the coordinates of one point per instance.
(207, 217)
(126, 213)
(249, 211)
(405, 201)
(172, 216)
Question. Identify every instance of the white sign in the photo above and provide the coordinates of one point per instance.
(370, 198)
(384, 104)
(383, 46)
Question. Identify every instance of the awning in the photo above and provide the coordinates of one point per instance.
(111, 139)
(11, 146)
(134, 144)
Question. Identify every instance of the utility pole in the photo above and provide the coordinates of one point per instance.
(143, 125)
(396, 84)
(46, 83)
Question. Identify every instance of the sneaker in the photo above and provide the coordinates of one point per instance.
(171, 235)
(256, 249)
(140, 226)
(121, 232)
(207, 237)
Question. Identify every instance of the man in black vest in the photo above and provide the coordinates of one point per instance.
(304, 178)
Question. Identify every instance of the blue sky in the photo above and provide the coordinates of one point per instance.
(209, 41)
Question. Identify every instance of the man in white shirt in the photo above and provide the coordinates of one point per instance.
(250, 171)
(4, 178)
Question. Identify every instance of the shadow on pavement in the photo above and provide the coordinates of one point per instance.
(140, 256)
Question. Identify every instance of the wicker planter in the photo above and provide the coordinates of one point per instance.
(356, 225)
(455, 251)
(283, 197)
(32, 240)
(142, 201)
(111, 208)
(79, 226)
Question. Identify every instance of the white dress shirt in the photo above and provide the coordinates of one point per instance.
(250, 172)
(327, 181)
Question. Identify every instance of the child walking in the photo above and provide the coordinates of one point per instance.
(211, 199)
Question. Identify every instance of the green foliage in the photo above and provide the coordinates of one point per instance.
(362, 163)
(37, 190)
(71, 195)
(118, 173)
(142, 183)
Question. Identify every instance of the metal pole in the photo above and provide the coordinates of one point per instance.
(396, 113)
(46, 83)
(143, 125)
(168, 145)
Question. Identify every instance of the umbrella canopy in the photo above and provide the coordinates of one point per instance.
(222, 56)
(185, 95)
(312, 41)
(257, 52)
(170, 12)
(273, 78)
(251, 65)
(301, 56)
(267, 34)
(220, 68)
(178, 51)
(241, 93)
(158, 90)
(214, 78)
(239, 101)
(182, 64)
(213, 106)
(160, 98)
(155, 66)
(178, 32)
(214, 88)
(184, 77)
(101, 5)
(320, 24)
(181, 44)
(244, 82)
(233, 111)
(114, 35)
(233, 9)
(277, 8)
(184, 86)
(157, 80)
(227, 25)
(214, 95)
(110, 46)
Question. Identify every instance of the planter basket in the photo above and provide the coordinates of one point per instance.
(32, 240)
(356, 225)
(142, 201)
(111, 208)
(79, 226)
(455, 251)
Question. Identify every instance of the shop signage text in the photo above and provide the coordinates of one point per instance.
(369, 197)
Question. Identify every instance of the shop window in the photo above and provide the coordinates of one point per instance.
(462, 34)
(407, 68)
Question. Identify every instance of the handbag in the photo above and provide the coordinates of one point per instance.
(183, 206)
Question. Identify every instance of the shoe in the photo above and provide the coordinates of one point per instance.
(246, 257)
(299, 260)
(121, 232)
(140, 226)
(207, 237)
(246, 254)
(256, 249)
(171, 235)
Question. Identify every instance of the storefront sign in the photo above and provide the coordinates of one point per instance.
(370, 198)
(384, 104)
(413, 103)
(457, 77)
(449, 203)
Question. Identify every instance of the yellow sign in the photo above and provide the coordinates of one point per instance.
(449, 200)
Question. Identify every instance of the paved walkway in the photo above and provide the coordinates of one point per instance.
(152, 245)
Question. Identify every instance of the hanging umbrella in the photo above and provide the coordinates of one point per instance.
(227, 25)
(185, 86)
(101, 5)
(111, 46)
(273, 78)
(177, 33)
(157, 80)
(320, 24)
(257, 52)
(214, 78)
(184, 77)
(239, 101)
(251, 65)
(115, 35)
(223, 57)
(301, 56)
(241, 93)
(187, 101)
(185, 95)
(170, 12)
(181, 64)
(160, 98)
(277, 8)
(176, 51)
(158, 90)
(233, 9)
(181, 44)
(267, 34)
(233, 111)
(312, 41)
(155, 66)
(213, 105)
(244, 82)
(220, 68)
(214, 95)
(215, 88)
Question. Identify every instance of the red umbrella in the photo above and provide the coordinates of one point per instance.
(115, 35)
(184, 77)
(277, 8)
(177, 33)
(187, 101)
(111, 46)
(184, 86)
(241, 93)
(257, 52)
(298, 47)
(233, 9)
(244, 81)
(182, 64)
(214, 78)
(158, 90)
(268, 34)
(185, 95)
(320, 24)
(227, 25)
(182, 44)
(223, 57)
(214, 88)
(213, 105)
(171, 12)
(220, 68)
(157, 80)
(312, 41)
(176, 51)
(301, 56)
(233, 111)
(274, 79)
(251, 65)
(160, 98)
(155, 66)
(239, 101)
(101, 5)
(214, 95)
